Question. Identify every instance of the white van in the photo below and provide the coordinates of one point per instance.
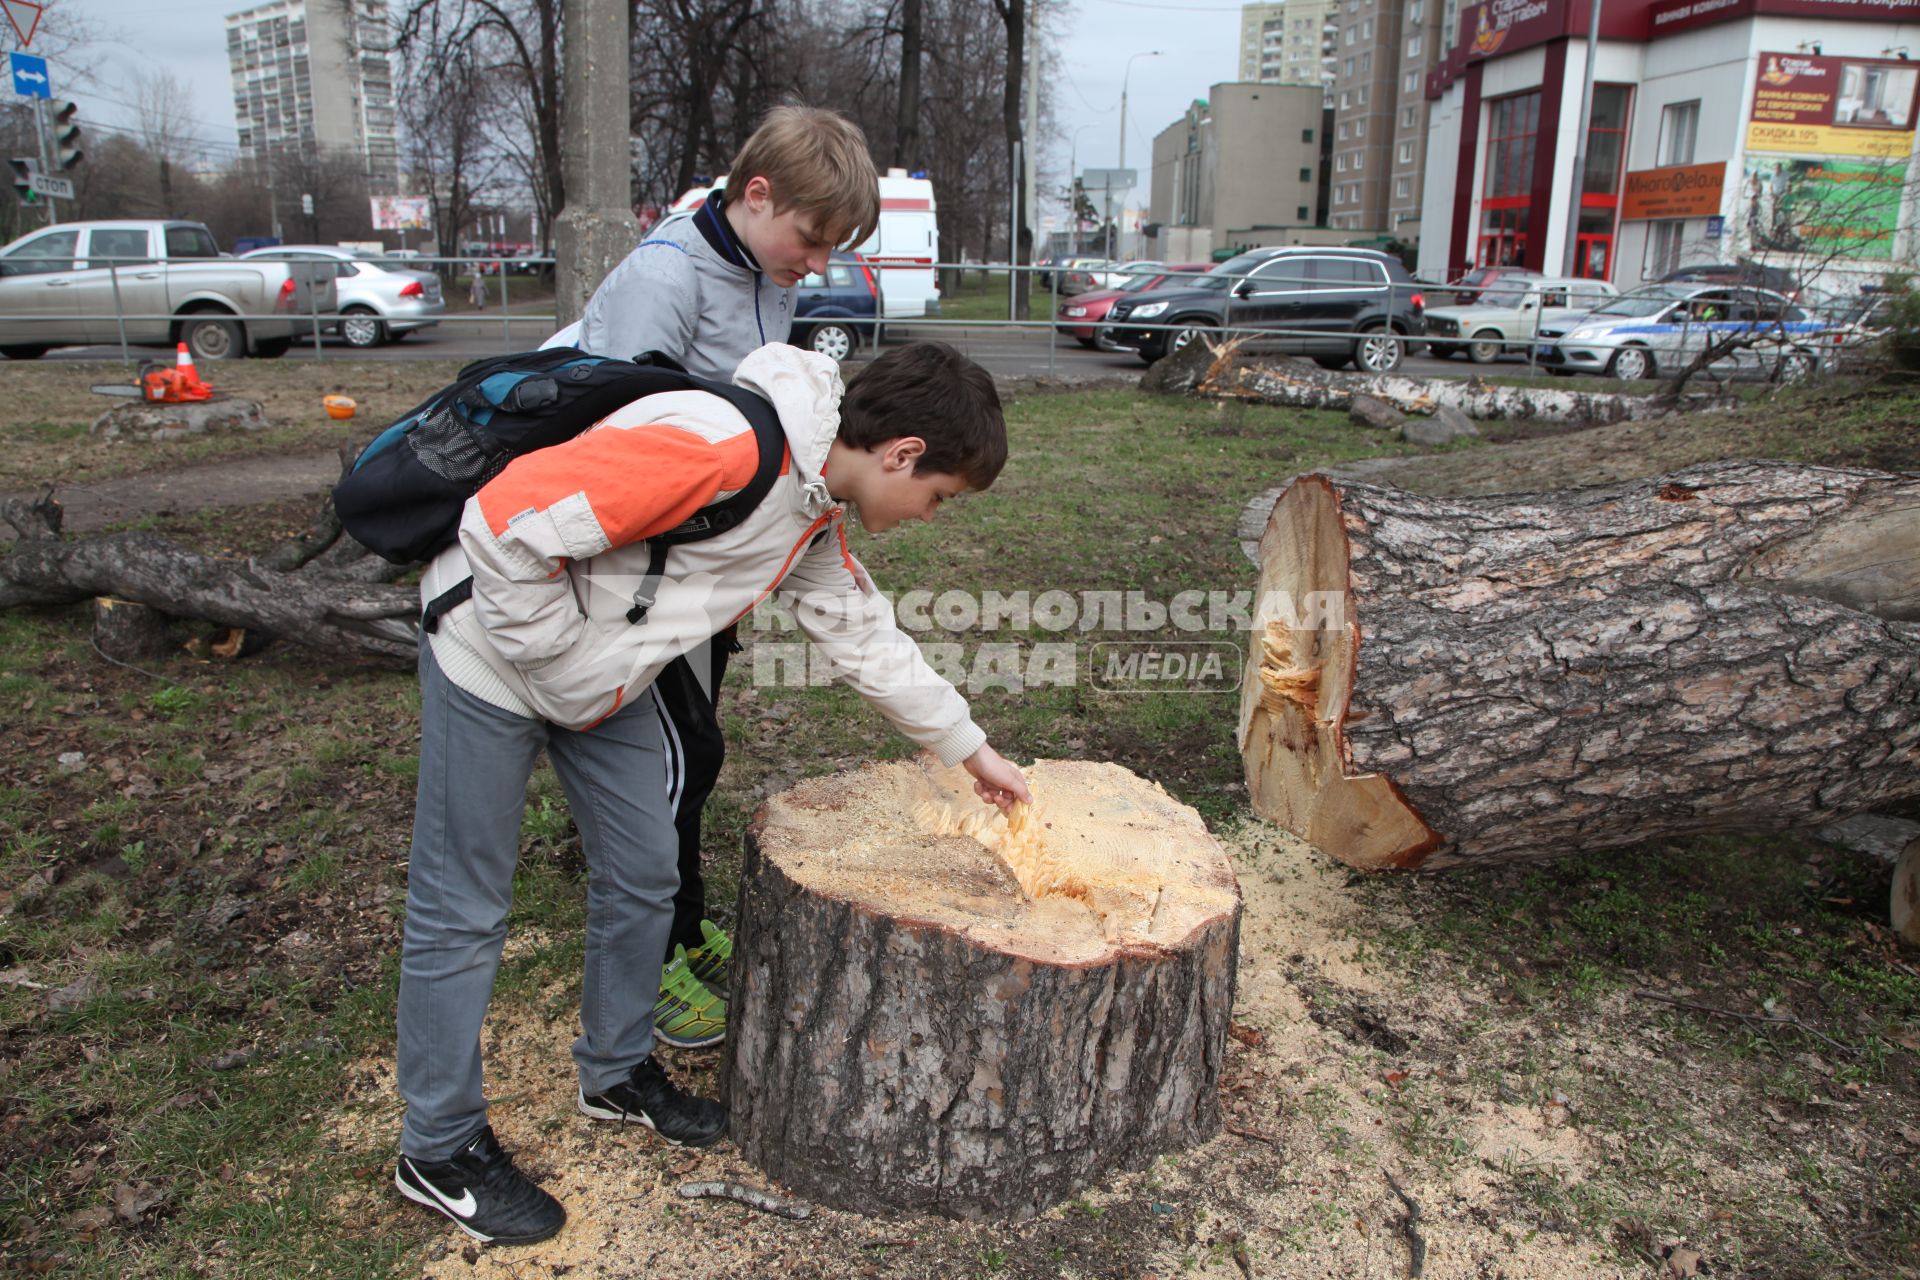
(903, 248)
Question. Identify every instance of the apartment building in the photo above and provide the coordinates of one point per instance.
(1366, 88)
(1241, 167)
(315, 75)
(1287, 43)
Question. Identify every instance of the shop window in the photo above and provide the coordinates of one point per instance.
(1600, 181)
(1679, 125)
(1512, 126)
(1503, 237)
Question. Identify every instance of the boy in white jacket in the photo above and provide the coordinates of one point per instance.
(544, 655)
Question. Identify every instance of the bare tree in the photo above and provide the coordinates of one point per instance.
(451, 149)
(518, 44)
(165, 124)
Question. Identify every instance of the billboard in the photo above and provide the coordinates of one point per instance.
(402, 213)
(1811, 105)
(1677, 191)
(1832, 208)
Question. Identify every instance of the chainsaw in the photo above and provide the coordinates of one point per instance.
(159, 383)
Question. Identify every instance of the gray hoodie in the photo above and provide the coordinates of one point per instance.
(692, 291)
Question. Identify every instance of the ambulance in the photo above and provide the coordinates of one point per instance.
(903, 249)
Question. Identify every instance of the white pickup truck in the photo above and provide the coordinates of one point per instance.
(76, 283)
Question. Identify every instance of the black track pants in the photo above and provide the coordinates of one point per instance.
(695, 750)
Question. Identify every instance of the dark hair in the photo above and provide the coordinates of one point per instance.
(929, 390)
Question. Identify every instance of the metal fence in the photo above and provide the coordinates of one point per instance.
(309, 326)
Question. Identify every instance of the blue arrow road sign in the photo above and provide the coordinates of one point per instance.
(30, 76)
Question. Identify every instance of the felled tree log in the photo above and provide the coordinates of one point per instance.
(932, 1014)
(1234, 375)
(326, 597)
(1479, 679)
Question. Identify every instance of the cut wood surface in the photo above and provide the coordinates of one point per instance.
(934, 1013)
(1458, 680)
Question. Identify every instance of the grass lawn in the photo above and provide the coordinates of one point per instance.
(202, 873)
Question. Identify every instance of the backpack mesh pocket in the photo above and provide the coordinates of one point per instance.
(447, 445)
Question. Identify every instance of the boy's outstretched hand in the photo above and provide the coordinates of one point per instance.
(996, 780)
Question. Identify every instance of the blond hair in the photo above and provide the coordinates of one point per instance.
(815, 161)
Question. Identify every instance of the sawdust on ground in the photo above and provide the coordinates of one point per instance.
(1318, 1119)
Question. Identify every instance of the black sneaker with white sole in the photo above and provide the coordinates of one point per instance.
(481, 1191)
(648, 1097)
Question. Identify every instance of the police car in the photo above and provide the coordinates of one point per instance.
(1661, 328)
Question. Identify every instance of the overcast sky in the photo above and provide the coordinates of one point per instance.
(1198, 39)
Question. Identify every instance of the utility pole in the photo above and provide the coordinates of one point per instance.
(46, 156)
(596, 229)
(1580, 143)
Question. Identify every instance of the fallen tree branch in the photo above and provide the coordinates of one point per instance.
(336, 615)
(764, 1201)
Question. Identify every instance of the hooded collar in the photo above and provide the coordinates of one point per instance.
(718, 232)
(805, 389)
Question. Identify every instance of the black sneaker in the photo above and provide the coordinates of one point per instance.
(483, 1193)
(648, 1097)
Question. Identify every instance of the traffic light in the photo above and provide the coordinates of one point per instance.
(66, 136)
(23, 181)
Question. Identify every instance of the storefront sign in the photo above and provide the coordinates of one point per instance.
(1667, 17)
(1809, 105)
(1839, 208)
(1679, 191)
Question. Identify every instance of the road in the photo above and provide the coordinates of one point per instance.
(1016, 353)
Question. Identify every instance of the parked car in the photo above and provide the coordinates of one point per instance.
(1857, 328)
(1659, 328)
(1079, 318)
(1077, 276)
(379, 302)
(1504, 319)
(1340, 306)
(838, 313)
(1468, 288)
(1747, 272)
(68, 285)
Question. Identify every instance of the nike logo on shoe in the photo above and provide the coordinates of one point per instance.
(464, 1207)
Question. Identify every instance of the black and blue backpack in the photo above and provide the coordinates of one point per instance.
(405, 493)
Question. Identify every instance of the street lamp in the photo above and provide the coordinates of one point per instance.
(1111, 218)
(1073, 184)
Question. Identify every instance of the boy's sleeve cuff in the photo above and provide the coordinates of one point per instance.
(960, 742)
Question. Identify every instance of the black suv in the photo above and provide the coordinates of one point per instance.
(1337, 305)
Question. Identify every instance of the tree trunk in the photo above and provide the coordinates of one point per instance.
(1446, 681)
(934, 1015)
(906, 136)
(1231, 374)
(323, 591)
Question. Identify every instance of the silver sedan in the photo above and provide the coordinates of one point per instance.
(380, 301)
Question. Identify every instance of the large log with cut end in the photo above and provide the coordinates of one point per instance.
(933, 1015)
(1449, 680)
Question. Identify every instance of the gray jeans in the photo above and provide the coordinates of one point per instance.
(475, 759)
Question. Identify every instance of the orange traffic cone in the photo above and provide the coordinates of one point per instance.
(189, 376)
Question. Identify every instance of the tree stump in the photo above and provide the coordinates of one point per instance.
(933, 1014)
(128, 631)
(1462, 680)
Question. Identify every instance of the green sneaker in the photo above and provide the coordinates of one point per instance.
(710, 959)
(687, 1015)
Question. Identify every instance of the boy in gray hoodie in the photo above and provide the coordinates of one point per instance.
(706, 291)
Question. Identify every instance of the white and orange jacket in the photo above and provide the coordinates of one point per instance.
(556, 544)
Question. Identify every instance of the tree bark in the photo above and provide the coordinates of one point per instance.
(1446, 681)
(1225, 372)
(328, 595)
(921, 1024)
